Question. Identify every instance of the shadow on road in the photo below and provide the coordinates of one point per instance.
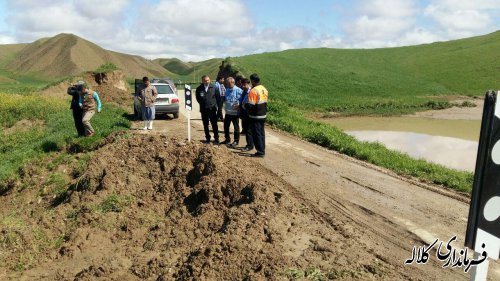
(133, 117)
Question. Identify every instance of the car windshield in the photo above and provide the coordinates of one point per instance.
(164, 89)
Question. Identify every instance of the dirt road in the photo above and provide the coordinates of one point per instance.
(377, 210)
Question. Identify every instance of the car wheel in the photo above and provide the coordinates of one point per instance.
(176, 115)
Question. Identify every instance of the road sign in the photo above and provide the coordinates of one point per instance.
(189, 106)
(188, 97)
(483, 228)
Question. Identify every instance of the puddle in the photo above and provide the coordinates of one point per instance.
(454, 153)
(452, 143)
(461, 129)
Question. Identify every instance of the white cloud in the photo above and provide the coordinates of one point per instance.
(457, 18)
(89, 18)
(390, 23)
(418, 36)
(202, 29)
(6, 39)
(380, 20)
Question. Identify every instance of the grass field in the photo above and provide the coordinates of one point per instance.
(46, 128)
(390, 81)
(293, 121)
(386, 81)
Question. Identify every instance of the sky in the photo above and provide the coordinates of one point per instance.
(195, 30)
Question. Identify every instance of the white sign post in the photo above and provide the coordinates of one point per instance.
(189, 106)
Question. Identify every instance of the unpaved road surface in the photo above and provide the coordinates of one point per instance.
(384, 213)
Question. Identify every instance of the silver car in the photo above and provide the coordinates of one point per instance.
(167, 101)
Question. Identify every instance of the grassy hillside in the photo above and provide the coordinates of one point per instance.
(191, 71)
(34, 127)
(9, 50)
(176, 66)
(67, 54)
(9, 82)
(387, 81)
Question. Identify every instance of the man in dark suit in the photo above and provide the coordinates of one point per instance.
(208, 96)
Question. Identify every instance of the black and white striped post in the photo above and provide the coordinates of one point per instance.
(483, 227)
(188, 99)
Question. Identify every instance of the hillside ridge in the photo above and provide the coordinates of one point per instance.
(67, 55)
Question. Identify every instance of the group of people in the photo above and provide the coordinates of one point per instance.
(244, 99)
(241, 98)
(84, 104)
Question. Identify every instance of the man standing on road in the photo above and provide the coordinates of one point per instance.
(89, 100)
(75, 91)
(233, 95)
(147, 97)
(256, 107)
(243, 113)
(208, 96)
(219, 84)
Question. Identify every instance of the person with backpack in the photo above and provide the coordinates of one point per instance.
(74, 91)
(89, 102)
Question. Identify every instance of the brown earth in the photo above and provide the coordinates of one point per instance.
(167, 210)
(113, 88)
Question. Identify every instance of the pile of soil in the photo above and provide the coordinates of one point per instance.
(112, 87)
(156, 208)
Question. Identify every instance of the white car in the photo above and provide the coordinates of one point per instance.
(167, 101)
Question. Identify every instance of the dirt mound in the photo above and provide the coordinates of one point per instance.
(154, 208)
(206, 214)
(111, 86)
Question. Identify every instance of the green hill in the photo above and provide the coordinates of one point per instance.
(176, 66)
(190, 71)
(377, 80)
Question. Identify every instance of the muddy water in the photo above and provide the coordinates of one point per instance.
(452, 143)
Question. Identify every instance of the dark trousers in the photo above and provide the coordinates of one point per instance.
(219, 112)
(210, 115)
(244, 123)
(257, 135)
(236, 125)
(78, 118)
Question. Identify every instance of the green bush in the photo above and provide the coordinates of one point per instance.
(107, 67)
